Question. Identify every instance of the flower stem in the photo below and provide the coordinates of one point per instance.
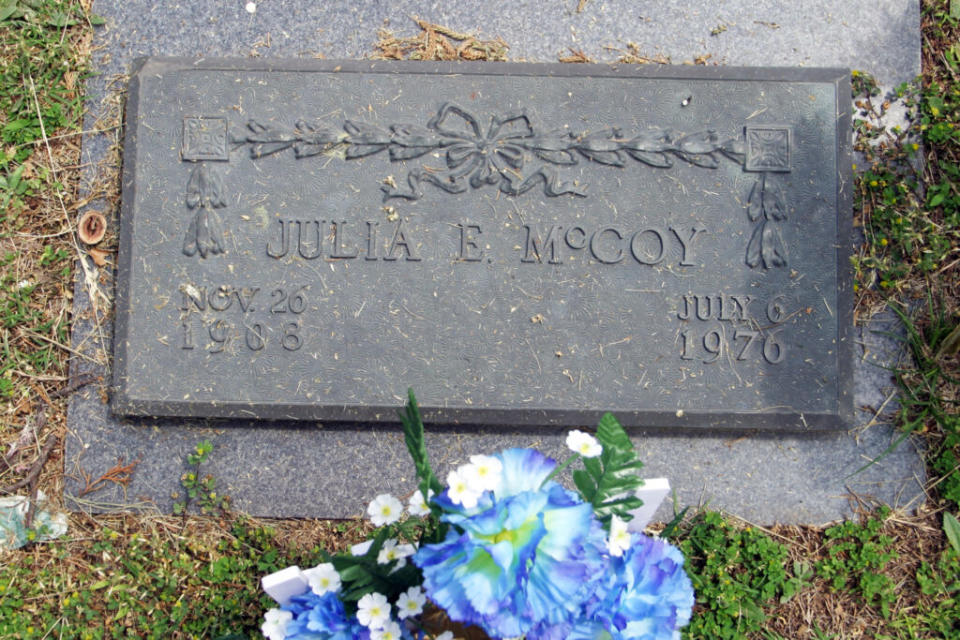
(566, 463)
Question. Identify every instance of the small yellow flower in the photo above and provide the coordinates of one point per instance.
(873, 183)
(915, 146)
(883, 242)
(854, 166)
(856, 287)
(935, 111)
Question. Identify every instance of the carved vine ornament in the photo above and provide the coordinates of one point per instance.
(508, 154)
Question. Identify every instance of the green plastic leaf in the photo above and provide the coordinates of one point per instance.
(414, 439)
(610, 481)
(952, 528)
(585, 485)
(594, 468)
(620, 463)
(350, 574)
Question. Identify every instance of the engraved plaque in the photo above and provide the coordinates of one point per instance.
(521, 244)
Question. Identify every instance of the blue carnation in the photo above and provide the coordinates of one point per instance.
(645, 595)
(322, 618)
(525, 555)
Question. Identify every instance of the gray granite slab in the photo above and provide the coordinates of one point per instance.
(332, 470)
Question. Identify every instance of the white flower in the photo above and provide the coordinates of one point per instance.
(373, 610)
(417, 506)
(410, 603)
(385, 509)
(323, 578)
(619, 537)
(483, 473)
(446, 635)
(274, 625)
(392, 551)
(390, 631)
(584, 444)
(459, 490)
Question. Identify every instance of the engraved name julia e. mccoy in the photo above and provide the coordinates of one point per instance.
(508, 154)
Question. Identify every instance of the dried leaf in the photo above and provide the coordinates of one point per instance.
(99, 256)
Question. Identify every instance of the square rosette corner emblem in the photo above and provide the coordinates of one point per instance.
(205, 139)
(768, 148)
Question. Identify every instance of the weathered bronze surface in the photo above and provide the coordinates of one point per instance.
(521, 244)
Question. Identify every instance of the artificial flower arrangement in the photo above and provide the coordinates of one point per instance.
(502, 548)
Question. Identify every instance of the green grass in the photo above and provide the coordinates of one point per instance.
(856, 556)
(160, 582)
(737, 575)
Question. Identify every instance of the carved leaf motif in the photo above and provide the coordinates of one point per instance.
(705, 160)
(553, 147)
(205, 188)
(203, 234)
(364, 139)
(652, 158)
(602, 147)
(755, 245)
(267, 140)
(734, 149)
(611, 158)
(413, 141)
(755, 201)
(652, 141)
(766, 247)
(313, 140)
(703, 142)
(774, 206)
(556, 157)
(190, 240)
(599, 141)
(773, 252)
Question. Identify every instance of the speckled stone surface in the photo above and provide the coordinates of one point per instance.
(334, 470)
